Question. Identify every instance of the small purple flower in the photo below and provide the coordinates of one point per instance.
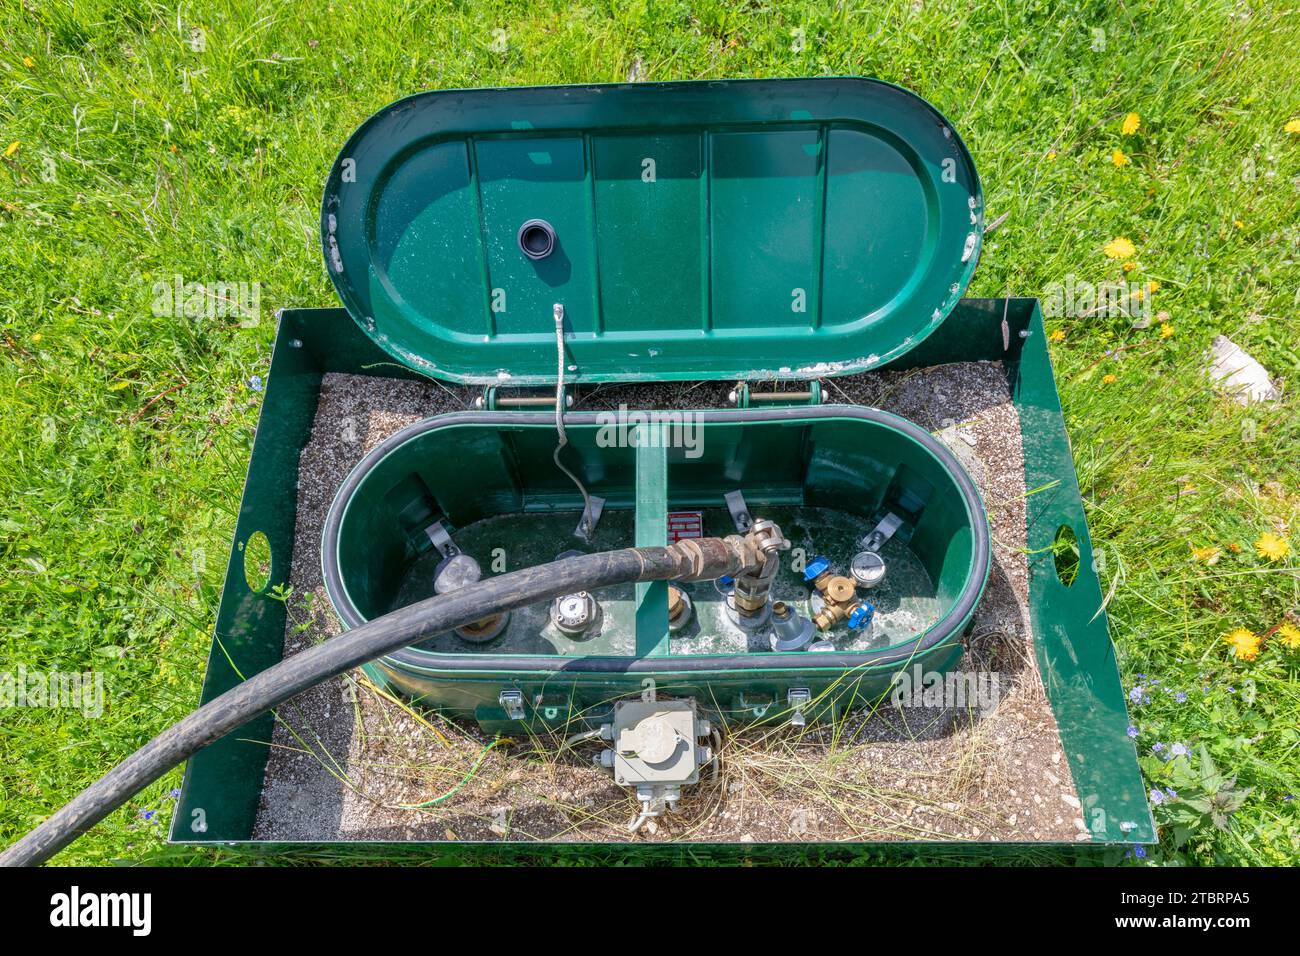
(1140, 852)
(1142, 676)
(147, 814)
(1232, 690)
(1157, 747)
(1132, 733)
(1178, 750)
(1289, 796)
(1136, 693)
(1181, 697)
(175, 794)
(1171, 793)
(255, 383)
(1157, 797)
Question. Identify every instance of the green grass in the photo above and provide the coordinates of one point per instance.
(137, 158)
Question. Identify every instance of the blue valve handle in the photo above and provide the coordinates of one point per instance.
(815, 567)
(861, 616)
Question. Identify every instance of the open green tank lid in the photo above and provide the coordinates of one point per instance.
(734, 229)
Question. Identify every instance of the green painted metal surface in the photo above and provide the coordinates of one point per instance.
(652, 638)
(830, 460)
(741, 229)
(223, 782)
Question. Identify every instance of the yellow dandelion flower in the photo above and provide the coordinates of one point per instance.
(1119, 248)
(1130, 266)
(1239, 224)
(1056, 336)
(1271, 547)
(1244, 643)
(1208, 555)
(1292, 127)
(1107, 379)
(36, 336)
(1119, 159)
(29, 63)
(1131, 124)
(1153, 286)
(12, 148)
(1166, 330)
(1234, 548)
(1051, 156)
(1289, 635)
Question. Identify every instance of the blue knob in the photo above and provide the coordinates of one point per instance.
(726, 580)
(861, 616)
(815, 567)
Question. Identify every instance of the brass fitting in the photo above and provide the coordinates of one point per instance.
(679, 608)
(750, 559)
(753, 586)
(839, 598)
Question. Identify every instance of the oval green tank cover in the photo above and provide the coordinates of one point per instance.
(738, 229)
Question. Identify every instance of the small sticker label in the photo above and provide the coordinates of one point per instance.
(685, 524)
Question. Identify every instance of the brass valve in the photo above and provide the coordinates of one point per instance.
(839, 599)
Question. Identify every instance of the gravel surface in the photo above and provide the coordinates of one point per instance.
(345, 758)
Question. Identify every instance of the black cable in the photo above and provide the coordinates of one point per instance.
(692, 559)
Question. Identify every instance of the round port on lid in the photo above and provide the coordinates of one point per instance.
(536, 239)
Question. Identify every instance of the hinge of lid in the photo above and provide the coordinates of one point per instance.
(495, 398)
(742, 396)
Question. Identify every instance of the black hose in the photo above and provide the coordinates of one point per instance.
(693, 559)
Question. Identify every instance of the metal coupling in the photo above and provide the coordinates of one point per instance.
(753, 586)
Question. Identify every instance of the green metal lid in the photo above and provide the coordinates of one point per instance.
(737, 229)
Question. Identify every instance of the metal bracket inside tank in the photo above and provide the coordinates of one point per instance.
(437, 534)
(740, 515)
(591, 512)
(883, 531)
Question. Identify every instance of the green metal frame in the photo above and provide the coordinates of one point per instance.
(222, 786)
